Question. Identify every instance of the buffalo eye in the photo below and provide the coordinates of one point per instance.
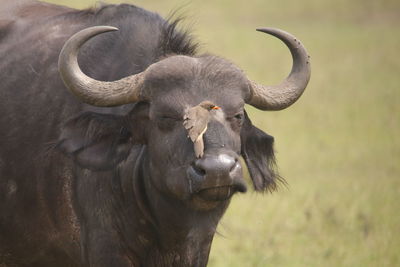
(236, 121)
(166, 123)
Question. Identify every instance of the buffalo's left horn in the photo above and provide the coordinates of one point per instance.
(89, 90)
(287, 92)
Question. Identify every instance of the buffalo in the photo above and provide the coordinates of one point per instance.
(96, 167)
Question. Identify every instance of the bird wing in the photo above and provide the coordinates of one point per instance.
(189, 124)
(198, 124)
(195, 122)
(189, 118)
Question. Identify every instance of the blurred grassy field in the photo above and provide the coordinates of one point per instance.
(338, 146)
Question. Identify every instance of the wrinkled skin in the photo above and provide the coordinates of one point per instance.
(87, 186)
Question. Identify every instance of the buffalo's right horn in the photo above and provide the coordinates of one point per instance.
(287, 92)
(89, 90)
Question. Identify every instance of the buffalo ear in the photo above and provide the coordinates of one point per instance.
(258, 153)
(99, 141)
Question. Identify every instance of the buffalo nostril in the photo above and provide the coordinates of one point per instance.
(215, 165)
(234, 165)
(199, 170)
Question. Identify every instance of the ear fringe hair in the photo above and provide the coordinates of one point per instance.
(258, 153)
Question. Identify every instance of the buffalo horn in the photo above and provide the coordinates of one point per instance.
(89, 90)
(281, 96)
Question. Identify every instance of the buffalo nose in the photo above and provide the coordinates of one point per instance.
(216, 165)
(216, 171)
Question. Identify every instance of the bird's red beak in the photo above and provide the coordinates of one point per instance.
(216, 107)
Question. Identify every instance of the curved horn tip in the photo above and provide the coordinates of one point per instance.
(267, 29)
(95, 30)
(264, 29)
(281, 34)
(101, 29)
(87, 89)
(105, 28)
(79, 38)
(288, 91)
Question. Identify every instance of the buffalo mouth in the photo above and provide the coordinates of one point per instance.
(220, 193)
(211, 188)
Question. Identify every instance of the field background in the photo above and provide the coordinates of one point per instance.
(338, 147)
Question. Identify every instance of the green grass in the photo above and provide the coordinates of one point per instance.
(338, 147)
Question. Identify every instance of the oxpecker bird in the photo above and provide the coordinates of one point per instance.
(195, 122)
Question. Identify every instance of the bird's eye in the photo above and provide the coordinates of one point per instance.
(239, 116)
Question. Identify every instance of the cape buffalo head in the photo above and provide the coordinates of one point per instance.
(163, 92)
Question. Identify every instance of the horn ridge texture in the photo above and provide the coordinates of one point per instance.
(87, 89)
